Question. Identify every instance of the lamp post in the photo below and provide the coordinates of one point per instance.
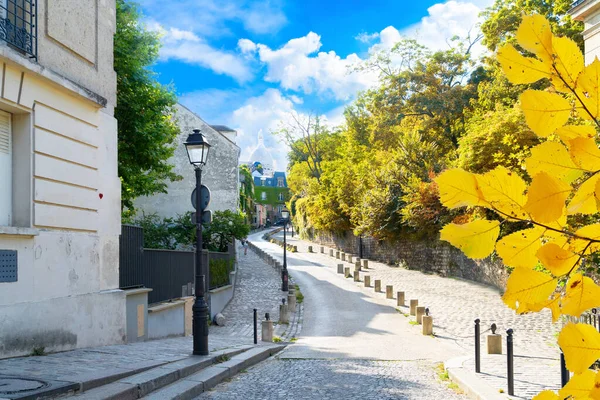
(285, 214)
(197, 149)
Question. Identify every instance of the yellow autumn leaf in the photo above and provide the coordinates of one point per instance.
(546, 198)
(586, 240)
(567, 63)
(553, 158)
(552, 304)
(546, 395)
(519, 69)
(528, 287)
(585, 153)
(595, 392)
(584, 201)
(581, 345)
(458, 188)
(579, 386)
(504, 191)
(556, 259)
(588, 91)
(534, 34)
(476, 239)
(544, 112)
(581, 295)
(519, 249)
(570, 132)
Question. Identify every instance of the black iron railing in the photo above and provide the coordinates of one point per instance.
(18, 25)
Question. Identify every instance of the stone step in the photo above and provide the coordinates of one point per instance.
(194, 385)
(139, 385)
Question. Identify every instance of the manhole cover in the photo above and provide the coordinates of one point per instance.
(14, 385)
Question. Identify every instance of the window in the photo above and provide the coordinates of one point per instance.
(280, 197)
(279, 182)
(18, 25)
(263, 196)
(5, 169)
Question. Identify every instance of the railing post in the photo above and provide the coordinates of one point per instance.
(477, 346)
(509, 362)
(564, 372)
(255, 327)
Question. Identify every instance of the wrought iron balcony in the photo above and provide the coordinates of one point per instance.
(18, 25)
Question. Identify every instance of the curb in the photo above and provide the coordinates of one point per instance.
(141, 384)
(473, 386)
(194, 385)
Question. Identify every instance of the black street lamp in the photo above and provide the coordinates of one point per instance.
(197, 149)
(285, 214)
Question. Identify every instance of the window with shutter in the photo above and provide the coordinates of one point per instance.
(5, 169)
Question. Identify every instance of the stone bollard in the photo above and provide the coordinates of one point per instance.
(377, 285)
(347, 272)
(357, 267)
(337, 255)
(322, 250)
(367, 281)
(267, 331)
(419, 314)
(220, 319)
(400, 297)
(310, 249)
(350, 259)
(366, 264)
(494, 343)
(292, 302)
(428, 325)
(413, 306)
(340, 268)
(356, 276)
(389, 292)
(343, 256)
(330, 252)
(284, 317)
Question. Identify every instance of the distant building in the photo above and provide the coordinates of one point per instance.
(270, 186)
(220, 175)
(588, 11)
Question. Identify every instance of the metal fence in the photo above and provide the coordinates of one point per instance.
(18, 25)
(170, 274)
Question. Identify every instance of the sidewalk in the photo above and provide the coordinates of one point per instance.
(258, 286)
(455, 304)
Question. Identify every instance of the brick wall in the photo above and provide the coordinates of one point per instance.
(432, 256)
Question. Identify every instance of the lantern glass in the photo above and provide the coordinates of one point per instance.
(197, 148)
(285, 214)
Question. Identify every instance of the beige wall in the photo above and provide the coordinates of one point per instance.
(589, 13)
(66, 191)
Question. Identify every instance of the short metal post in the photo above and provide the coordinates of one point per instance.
(510, 362)
(255, 327)
(564, 372)
(477, 346)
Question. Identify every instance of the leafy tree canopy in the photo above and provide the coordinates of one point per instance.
(144, 111)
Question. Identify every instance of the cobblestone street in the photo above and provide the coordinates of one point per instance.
(257, 286)
(333, 380)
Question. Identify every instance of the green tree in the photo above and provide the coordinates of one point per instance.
(144, 110)
(225, 226)
(246, 193)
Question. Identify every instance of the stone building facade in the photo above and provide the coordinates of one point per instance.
(60, 192)
(588, 11)
(220, 175)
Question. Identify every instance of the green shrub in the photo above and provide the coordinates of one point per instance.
(219, 272)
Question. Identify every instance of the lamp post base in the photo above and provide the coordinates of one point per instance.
(284, 280)
(200, 327)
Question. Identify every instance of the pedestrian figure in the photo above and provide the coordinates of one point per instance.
(245, 244)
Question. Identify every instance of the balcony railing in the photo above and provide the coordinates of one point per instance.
(576, 3)
(18, 25)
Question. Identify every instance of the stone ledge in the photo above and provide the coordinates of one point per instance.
(221, 289)
(19, 231)
(165, 306)
(133, 292)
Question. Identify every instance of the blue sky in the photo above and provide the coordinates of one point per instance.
(248, 64)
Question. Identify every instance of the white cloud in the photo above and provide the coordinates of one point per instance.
(188, 47)
(365, 37)
(299, 66)
(212, 18)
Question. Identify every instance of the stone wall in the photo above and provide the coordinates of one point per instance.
(220, 175)
(432, 256)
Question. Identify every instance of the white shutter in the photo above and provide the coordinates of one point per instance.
(5, 169)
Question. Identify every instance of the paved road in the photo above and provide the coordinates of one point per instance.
(351, 346)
